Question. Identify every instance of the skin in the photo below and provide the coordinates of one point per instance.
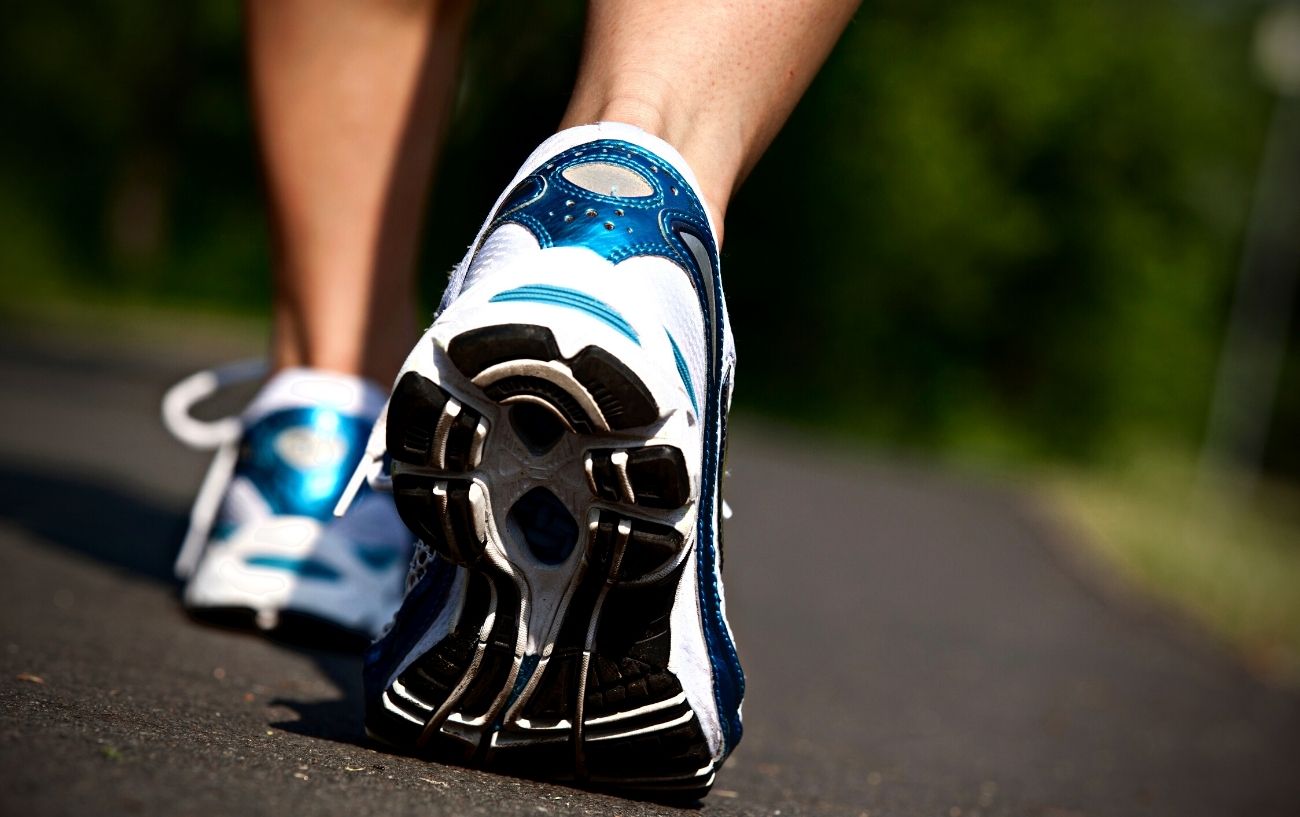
(352, 99)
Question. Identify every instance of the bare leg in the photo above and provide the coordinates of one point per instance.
(714, 78)
(352, 98)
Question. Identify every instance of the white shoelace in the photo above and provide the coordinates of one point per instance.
(371, 468)
(206, 435)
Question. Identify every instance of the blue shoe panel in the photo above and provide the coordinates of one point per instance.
(307, 568)
(572, 299)
(300, 459)
(683, 371)
(419, 610)
(560, 213)
(379, 557)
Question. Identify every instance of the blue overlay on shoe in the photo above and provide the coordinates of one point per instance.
(222, 529)
(562, 214)
(683, 372)
(670, 223)
(526, 669)
(572, 298)
(420, 608)
(307, 568)
(377, 557)
(300, 459)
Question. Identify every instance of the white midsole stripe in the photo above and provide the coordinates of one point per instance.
(678, 721)
(524, 723)
(405, 695)
(391, 707)
(632, 713)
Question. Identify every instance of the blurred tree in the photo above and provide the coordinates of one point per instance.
(127, 163)
(1010, 225)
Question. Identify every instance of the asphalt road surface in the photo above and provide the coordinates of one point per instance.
(916, 644)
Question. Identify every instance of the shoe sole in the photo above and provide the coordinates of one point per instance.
(557, 664)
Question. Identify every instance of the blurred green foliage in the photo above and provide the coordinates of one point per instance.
(1026, 236)
(1003, 229)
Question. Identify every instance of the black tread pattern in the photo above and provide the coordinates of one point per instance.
(629, 671)
(521, 385)
(623, 398)
(477, 349)
(434, 675)
(630, 573)
(650, 547)
(497, 657)
(451, 533)
(413, 414)
(657, 474)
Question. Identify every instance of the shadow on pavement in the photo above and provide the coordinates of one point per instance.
(91, 519)
(128, 532)
(339, 720)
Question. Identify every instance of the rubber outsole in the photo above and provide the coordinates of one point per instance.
(594, 703)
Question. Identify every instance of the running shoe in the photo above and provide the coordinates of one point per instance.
(263, 548)
(555, 442)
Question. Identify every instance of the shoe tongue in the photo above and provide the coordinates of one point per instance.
(314, 388)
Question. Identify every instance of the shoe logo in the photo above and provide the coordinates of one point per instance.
(300, 459)
(308, 449)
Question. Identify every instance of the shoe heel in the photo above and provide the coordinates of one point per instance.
(597, 705)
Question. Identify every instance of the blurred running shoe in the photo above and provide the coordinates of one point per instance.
(263, 547)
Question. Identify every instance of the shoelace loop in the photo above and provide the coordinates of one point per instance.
(181, 398)
(222, 435)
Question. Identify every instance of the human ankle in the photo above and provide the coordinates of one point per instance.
(374, 353)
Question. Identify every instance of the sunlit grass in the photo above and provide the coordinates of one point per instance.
(1231, 562)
